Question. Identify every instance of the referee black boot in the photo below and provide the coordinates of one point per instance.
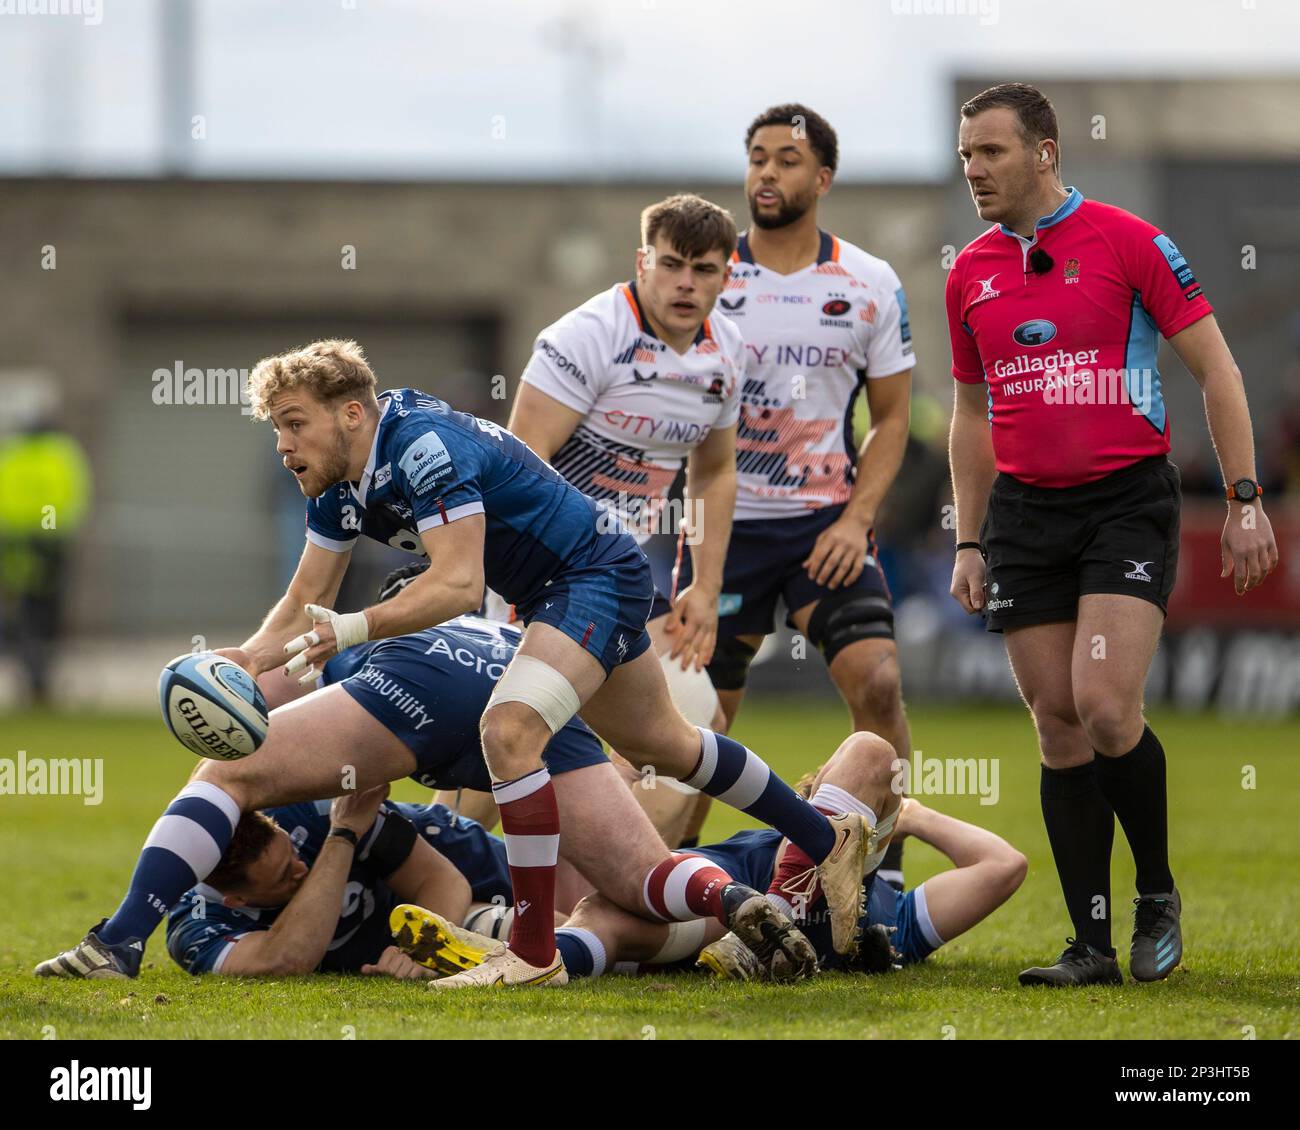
(1157, 937)
(1080, 964)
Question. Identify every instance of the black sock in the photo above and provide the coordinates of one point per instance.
(1081, 829)
(1134, 784)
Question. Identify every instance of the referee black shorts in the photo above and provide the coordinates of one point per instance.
(1047, 546)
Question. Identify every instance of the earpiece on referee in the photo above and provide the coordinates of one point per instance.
(1042, 156)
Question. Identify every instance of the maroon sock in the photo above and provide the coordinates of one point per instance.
(683, 887)
(530, 823)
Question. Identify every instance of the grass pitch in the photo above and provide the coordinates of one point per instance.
(1235, 854)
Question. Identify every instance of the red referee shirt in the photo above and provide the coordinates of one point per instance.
(1069, 354)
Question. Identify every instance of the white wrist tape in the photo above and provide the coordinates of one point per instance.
(350, 629)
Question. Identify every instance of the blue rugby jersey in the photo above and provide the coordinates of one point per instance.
(431, 465)
(201, 931)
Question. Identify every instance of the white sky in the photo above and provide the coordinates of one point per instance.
(417, 88)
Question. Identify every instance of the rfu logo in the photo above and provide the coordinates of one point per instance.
(1139, 572)
(986, 289)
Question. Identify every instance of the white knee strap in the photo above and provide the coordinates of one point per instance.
(685, 939)
(540, 686)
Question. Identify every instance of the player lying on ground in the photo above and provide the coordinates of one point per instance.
(987, 871)
(410, 707)
(311, 887)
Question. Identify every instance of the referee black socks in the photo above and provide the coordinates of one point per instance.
(1134, 784)
(1081, 830)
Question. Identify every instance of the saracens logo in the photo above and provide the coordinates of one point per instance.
(837, 307)
(1038, 331)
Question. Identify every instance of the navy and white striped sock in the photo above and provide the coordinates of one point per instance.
(185, 845)
(738, 777)
(581, 951)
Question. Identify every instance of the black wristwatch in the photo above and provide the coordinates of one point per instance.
(339, 832)
(1244, 490)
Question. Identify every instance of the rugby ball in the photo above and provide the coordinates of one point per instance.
(213, 706)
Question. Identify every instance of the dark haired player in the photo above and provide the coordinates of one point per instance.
(311, 887)
(822, 321)
(1071, 551)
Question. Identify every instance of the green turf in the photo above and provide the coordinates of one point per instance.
(1235, 852)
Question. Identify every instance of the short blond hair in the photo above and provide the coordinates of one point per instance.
(330, 370)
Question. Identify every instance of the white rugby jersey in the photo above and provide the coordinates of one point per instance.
(645, 405)
(811, 338)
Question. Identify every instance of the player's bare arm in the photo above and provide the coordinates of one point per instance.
(986, 869)
(970, 456)
(711, 498)
(541, 421)
(1248, 548)
(300, 936)
(840, 551)
(452, 586)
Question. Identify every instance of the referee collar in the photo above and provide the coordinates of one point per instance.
(369, 473)
(1067, 207)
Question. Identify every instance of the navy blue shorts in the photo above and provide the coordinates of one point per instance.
(750, 858)
(430, 690)
(602, 605)
(765, 563)
(471, 849)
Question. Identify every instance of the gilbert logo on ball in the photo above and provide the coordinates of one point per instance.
(213, 706)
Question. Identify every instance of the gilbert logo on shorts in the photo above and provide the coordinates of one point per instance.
(998, 605)
(1139, 572)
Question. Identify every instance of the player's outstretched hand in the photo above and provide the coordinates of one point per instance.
(1247, 548)
(692, 625)
(839, 553)
(357, 811)
(394, 963)
(331, 633)
(967, 585)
